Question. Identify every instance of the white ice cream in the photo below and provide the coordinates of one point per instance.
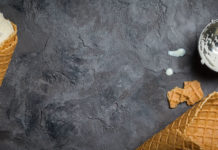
(208, 57)
(177, 53)
(6, 28)
(169, 71)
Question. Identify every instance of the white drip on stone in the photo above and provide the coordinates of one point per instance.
(177, 53)
(169, 71)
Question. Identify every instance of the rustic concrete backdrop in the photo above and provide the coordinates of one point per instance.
(90, 74)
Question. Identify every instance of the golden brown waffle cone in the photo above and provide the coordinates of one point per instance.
(196, 129)
(6, 52)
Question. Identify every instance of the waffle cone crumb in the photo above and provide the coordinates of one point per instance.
(193, 90)
(191, 94)
(176, 96)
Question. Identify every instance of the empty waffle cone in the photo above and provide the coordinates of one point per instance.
(6, 51)
(196, 129)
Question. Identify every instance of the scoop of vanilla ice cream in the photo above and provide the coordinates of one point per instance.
(6, 28)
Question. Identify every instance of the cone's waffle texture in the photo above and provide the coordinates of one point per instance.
(196, 129)
(191, 93)
(6, 52)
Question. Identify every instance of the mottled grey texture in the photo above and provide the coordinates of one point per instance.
(90, 75)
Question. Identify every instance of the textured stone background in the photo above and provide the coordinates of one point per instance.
(90, 75)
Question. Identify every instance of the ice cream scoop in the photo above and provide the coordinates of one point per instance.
(6, 28)
(208, 45)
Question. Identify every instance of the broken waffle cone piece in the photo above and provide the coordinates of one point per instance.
(6, 51)
(196, 129)
(176, 96)
(191, 93)
(193, 90)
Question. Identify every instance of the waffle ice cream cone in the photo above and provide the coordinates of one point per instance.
(6, 51)
(196, 129)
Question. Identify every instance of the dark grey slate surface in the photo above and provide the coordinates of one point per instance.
(90, 75)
